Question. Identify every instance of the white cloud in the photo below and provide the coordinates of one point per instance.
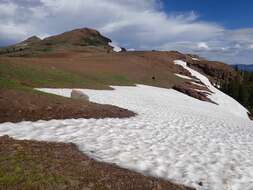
(134, 24)
(141, 24)
(237, 46)
(203, 45)
(7, 9)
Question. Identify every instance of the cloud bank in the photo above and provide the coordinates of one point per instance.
(141, 24)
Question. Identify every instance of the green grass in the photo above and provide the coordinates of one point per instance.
(8, 83)
(20, 168)
(14, 76)
(111, 79)
(20, 76)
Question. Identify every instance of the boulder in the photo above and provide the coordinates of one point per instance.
(79, 95)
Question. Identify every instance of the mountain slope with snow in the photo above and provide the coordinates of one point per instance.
(174, 136)
(225, 102)
(201, 137)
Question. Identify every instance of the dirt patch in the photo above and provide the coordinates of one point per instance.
(217, 71)
(57, 166)
(19, 105)
(198, 86)
(195, 91)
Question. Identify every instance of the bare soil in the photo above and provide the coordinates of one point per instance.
(18, 105)
(194, 91)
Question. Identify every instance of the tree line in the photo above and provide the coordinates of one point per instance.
(241, 89)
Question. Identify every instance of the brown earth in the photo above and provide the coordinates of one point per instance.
(78, 37)
(191, 91)
(155, 68)
(38, 165)
(17, 105)
(216, 71)
(200, 91)
(150, 68)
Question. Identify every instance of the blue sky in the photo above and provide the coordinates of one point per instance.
(232, 14)
(217, 30)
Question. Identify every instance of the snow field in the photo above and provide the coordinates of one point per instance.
(115, 47)
(174, 136)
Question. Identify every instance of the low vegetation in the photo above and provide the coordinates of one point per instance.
(15, 76)
(38, 165)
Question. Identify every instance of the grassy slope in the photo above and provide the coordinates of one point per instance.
(15, 75)
(91, 70)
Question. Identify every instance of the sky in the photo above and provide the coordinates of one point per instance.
(218, 30)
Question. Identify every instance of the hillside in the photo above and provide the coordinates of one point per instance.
(83, 58)
(84, 39)
(159, 114)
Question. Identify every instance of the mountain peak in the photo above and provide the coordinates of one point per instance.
(80, 37)
(30, 40)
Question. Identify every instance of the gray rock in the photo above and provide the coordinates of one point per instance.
(79, 95)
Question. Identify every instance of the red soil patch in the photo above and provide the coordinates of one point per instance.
(16, 105)
(193, 91)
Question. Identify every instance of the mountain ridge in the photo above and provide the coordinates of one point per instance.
(82, 39)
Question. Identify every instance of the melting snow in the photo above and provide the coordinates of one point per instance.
(174, 136)
(197, 84)
(226, 103)
(183, 76)
(195, 59)
(115, 47)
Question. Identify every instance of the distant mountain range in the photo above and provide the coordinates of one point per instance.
(243, 67)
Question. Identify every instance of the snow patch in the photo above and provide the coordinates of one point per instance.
(195, 59)
(183, 76)
(225, 102)
(115, 47)
(197, 84)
